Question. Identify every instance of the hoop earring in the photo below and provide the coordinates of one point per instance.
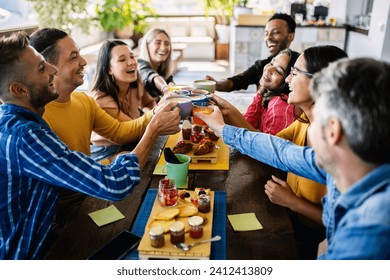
(113, 78)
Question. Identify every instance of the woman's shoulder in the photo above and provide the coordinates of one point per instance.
(143, 63)
(279, 100)
(97, 94)
(100, 95)
(104, 100)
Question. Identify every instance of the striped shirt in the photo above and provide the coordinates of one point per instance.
(34, 162)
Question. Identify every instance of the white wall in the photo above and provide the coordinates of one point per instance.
(338, 10)
(386, 46)
(374, 44)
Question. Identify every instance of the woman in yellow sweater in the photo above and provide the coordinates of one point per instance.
(299, 194)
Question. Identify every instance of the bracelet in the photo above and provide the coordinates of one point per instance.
(163, 87)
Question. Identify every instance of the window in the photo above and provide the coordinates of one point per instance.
(178, 7)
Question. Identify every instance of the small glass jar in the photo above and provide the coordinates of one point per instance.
(204, 203)
(196, 226)
(177, 232)
(156, 235)
(167, 193)
(186, 130)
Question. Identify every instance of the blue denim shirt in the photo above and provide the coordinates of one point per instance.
(34, 162)
(357, 221)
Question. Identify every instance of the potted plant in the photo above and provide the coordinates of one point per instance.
(64, 15)
(242, 9)
(125, 18)
(222, 11)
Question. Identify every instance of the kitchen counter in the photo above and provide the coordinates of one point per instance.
(247, 42)
(358, 29)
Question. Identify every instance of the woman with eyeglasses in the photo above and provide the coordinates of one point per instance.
(155, 62)
(269, 112)
(303, 196)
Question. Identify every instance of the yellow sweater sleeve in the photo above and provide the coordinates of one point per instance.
(120, 132)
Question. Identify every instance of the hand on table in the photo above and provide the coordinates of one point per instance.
(279, 192)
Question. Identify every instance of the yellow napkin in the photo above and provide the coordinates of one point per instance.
(106, 216)
(244, 222)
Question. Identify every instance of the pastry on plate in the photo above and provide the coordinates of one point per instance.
(210, 134)
(205, 146)
(182, 147)
(164, 223)
(167, 214)
(188, 211)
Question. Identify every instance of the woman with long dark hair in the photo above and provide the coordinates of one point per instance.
(303, 196)
(118, 90)
(269, 112)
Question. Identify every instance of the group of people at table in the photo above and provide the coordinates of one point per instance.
(317, 115)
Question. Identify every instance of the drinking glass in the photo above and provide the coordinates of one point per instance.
(205, 108)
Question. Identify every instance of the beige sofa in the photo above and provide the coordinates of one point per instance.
(194, 36)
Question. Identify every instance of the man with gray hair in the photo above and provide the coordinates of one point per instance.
(350, 154)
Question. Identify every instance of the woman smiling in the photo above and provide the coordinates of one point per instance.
(155, 62)
(269, 112)
(118, 90)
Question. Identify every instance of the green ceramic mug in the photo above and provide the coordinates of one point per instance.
(205, 84)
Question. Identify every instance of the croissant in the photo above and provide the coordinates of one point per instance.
(210, 134)
(182, 147)
(204, 147)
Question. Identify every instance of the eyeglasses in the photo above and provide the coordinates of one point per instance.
(310, 75)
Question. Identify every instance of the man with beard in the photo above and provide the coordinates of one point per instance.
(74, 115)
(350, 153)
(36, 163)
(278, 35)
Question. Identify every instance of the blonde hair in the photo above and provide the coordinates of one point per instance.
(166, 68)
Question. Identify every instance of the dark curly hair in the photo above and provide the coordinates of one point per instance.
(287, 18)
(267, 95)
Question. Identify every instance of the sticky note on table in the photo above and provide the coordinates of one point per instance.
(244, 222)
(106, 216)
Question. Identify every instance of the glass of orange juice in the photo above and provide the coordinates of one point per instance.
(204, 108)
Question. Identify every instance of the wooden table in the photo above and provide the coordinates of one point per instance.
(244, 186)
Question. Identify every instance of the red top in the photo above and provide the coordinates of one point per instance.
(276, 117)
